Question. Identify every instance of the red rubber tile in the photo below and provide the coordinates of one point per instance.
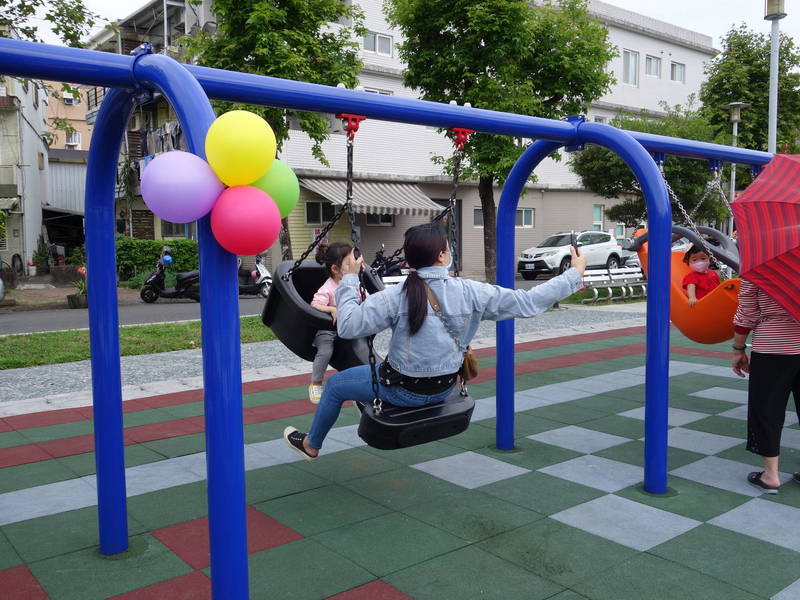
(700, 352)
(173, 399)
(69, 446)
(48, 417)
(374, 590)
(189, 541)
(159, 431)
(192, 586)
(20, 584)
(270, 412)
(22, 455)
(5, 426)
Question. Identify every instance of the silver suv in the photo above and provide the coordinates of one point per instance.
(552, 256)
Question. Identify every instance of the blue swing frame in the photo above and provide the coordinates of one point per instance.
(133, 80)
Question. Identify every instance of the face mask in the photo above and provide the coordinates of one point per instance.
(450, 264)
(700, 267)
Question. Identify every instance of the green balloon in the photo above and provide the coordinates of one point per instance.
(280, 183)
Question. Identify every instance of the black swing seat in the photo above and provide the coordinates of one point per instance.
(288, 311)
(400, 426)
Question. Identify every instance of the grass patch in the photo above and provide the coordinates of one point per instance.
(585, 294)
(32, 349)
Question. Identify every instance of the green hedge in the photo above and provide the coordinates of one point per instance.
(137, 258)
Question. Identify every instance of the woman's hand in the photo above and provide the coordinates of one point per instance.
(334, 314)
(741, 363)
(351, 264)
(578, 260)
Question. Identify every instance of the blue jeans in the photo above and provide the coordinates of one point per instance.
(356, 384)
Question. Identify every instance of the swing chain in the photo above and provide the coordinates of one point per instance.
(320, 236)
(691, 223)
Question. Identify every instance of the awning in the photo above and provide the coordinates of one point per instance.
(375, 197)
(8, 203)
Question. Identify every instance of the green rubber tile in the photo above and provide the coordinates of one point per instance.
(470, 573)
(567, 413)
(146, 417)
(475, 437)
(688, 498)
(542, 493)
(740, 560)
(401, 488)
(789, 494)
(389, 542)
(53, 535)
(184, 411)
(654, 578)
(705, 405)
(568, 595)
(530, 454)
(57, 432)
(416, 454)
(277, 481)
(473, 515)
(9, 439)
(86, 575)
(347, 465)
(33, 474)
(741, 454)
(557, 551)
(635, 393)
(84, 464)
(633, 453)
(610, 405)
(484, 389)
(178, 446)
(168, 507)
(721, 426)
(321, 509)
(8, 556)
(540, 378)
(262, 432)
(617, 425)
(303, 570)
(525, 424)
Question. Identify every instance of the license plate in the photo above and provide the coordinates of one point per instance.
(529, 266)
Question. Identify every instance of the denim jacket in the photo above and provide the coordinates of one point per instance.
(465, 303)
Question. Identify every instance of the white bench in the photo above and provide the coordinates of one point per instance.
(625, 279)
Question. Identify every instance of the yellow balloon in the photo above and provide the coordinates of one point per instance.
(240, 147)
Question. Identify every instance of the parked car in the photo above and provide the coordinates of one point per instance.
(552, 255)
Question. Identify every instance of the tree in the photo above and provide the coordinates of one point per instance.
(70, 20)
(740, 73)
(287, 39)
(546, 59)
(605, 174)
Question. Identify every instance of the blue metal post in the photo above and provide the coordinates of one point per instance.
(101, 275)
(659, 221)
(222, 368)
(506, 220)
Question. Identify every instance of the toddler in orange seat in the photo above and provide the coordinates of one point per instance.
(702, 279)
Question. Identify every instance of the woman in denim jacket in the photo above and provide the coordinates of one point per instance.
(423, 358)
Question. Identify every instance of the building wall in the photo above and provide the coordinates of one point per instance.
(67, 186)
(74, 113)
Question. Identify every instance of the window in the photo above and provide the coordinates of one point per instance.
(619, 230)
(170, 229)
(3, 237)
(378, 91)
(652, 66)
(677, 72)
(380, 220)
(599, 119)
(378, 43)
(69, 99)
(35, 96)
(598, 212)
(524, 218)
(630, 67)
(318, 213)
(40, 160)
(73, 140)
(477, 217)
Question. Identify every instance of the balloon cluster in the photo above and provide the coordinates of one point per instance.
(261, 190)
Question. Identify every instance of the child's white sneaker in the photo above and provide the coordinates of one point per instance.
(314, 393)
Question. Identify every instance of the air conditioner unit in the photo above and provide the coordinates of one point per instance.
(139, 121)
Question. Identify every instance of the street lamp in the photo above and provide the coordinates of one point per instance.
(774, 10)
(736, 116)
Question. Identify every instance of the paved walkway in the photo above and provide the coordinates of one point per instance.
(563, 516)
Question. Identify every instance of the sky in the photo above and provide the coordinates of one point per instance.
(711, 17)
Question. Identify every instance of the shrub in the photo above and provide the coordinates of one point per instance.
(138, 257)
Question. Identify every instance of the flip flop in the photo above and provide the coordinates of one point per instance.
(754, 479)
(796, 477)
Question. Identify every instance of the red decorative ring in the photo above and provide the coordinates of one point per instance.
(351, 123)
(460, 136)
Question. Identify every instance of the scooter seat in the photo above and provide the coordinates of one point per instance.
(187, 275)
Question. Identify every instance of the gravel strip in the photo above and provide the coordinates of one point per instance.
(36, 382)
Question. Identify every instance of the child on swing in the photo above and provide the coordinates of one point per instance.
(702, 279)
(325, 300)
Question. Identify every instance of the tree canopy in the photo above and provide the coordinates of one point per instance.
(546, 59)
(70, 20)
(605, 174)
(740, 73)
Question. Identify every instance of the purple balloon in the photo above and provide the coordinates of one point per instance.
(180, 187)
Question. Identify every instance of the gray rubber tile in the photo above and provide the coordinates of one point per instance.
(470, 469)
(722, 393)
(740, 412)
(596, 472)
(723, 474)
(626, 522)
(791, 592)
(790, 438)
(676, 417)
(151, 477)
(579, 439)
(772, 522)
(700, 441)
(49, 499)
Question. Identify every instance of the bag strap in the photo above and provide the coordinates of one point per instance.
(434, 302)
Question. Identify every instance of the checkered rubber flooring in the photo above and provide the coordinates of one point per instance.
(563, 516)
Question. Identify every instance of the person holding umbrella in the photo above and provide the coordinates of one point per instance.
(768, 224)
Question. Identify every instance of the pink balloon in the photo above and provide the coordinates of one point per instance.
(245, 220)
(180, 187)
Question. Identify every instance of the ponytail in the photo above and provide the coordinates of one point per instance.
(331, 255)
(417, 297)
(421, 247)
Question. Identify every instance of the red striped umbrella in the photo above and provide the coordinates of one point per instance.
(768, 225)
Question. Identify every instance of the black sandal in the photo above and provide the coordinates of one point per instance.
(796, 477)
(754, 479)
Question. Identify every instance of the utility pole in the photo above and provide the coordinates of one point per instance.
(774, 10)
(736, 115)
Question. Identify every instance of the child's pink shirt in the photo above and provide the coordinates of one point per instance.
(326, 295)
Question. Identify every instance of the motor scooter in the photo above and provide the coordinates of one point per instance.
(186, 286)
(387, 266)
(255, 282)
